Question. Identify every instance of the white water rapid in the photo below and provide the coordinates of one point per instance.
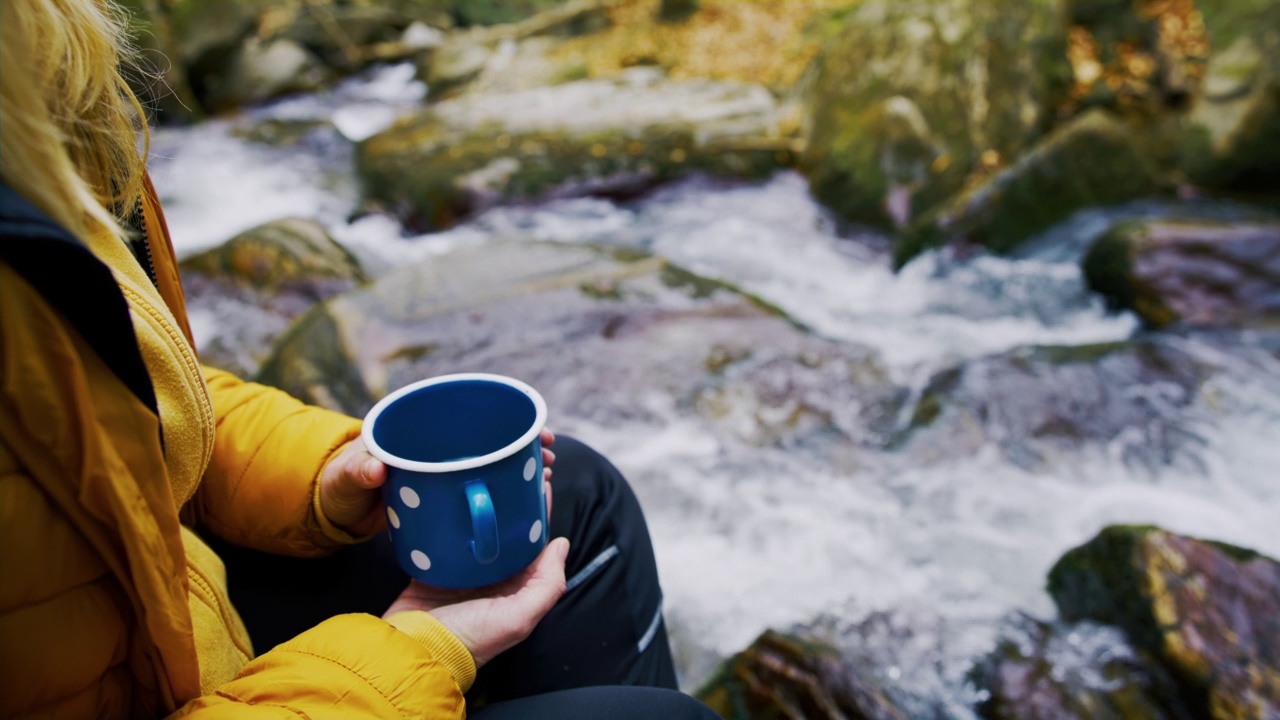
(749, 538)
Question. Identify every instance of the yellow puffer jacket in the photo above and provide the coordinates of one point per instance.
(111, 445)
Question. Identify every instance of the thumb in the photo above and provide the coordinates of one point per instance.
(546, 582)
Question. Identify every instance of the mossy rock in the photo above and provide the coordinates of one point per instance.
(461, 156)
(1231, 139)
(1095, 160)
(785, 676)
(983, 77)
(1196, 272)
(1208, 612)
(283, 254)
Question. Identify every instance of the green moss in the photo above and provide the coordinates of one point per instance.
(1094, 161)
(1108, 266)
(1100, 581)
(1078, 354)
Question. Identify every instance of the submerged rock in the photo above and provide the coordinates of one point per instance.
(911, 98)
(1207, 611)
(1094, 160)
(593, 136)
(1195, 272)
(784, 676)
(1038, 404)
(1045, 671)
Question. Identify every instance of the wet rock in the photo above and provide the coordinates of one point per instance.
(290, 255)
(800, 393)
(635, 339)
(249, 289)
(1094, 160)
(1040, 404)
(209, 31)
(1208, 612)
(1046, 671)
(912, 98)
(784, 676)
(589, 137)
(259, 70)
(1196, 272)
(1232, 135)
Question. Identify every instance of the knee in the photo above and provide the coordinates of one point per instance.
(580, 470)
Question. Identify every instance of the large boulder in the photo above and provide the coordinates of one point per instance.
(259, 70)
(912, 98)
(244, 293)
(785, 676)
(1050, 671)
(1191, 271)
(1232, 135)
(1039, 405)
(1207, 611)
(605, 336)
(593, 136)
(1096, 159)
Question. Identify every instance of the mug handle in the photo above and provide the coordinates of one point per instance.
(484, 523)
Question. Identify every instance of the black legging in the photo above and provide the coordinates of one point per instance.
(601, 652)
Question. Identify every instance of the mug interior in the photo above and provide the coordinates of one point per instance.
(454, 421)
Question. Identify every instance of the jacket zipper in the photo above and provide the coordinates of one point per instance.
(140, 243)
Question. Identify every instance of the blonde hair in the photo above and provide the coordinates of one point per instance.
(70, 126)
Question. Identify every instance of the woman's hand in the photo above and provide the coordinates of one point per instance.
(351, 490)
(491, 619)
(351, 486)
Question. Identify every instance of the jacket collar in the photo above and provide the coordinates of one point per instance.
(59, 266)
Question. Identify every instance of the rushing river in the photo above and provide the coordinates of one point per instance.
(747, 537)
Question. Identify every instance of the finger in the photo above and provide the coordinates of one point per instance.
(372, 472)
(548, 457)
(548, 437)
(546, 488)
(546, 583)
(546, 474)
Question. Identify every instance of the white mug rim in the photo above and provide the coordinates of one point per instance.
(376, 450)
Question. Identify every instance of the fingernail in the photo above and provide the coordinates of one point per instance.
(370, 469)
(562, 548)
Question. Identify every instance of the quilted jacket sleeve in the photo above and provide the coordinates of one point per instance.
(350, 666)
(259, 490)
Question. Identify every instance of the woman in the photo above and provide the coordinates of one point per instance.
(124, 463)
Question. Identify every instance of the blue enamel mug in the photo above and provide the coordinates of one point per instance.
(464, 495)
